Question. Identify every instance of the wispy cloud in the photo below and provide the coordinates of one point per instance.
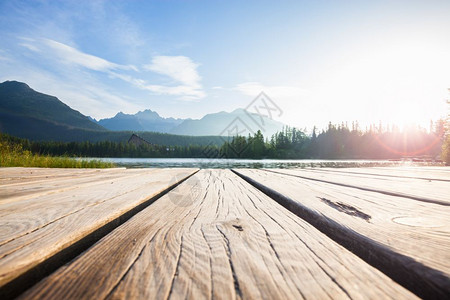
(179, 68)
(183, 71)
(71, 55)
(30, 47)
(186, 82)
(65, 54)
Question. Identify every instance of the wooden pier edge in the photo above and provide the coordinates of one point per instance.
(22, 283)
(422, 280)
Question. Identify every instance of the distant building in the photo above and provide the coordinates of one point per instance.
(136, 140)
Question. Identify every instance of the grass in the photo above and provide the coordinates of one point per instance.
(13, 155)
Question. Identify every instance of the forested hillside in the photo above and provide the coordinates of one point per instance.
(337, 142)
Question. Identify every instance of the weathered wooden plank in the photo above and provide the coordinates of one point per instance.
(425, 168)
(36, 230)
(417, 189)
(43, 209)
(215, 236)
(28, 188)
(374, 224)
(20, 174)
(435, 173)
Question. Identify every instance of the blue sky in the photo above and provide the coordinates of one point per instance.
(319, 61)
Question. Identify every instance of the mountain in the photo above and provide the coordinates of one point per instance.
(224, 124)
(25, 108)
(28, 114)
(210, 125)
(146, 120)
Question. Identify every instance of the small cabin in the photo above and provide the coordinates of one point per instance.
(137, 140)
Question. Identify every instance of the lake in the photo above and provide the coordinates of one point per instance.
(252, 163)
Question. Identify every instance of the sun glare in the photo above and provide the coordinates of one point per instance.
(399, 84)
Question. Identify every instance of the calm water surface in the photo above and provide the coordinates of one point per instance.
(250, 163)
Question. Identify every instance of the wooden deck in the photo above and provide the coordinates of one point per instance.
(201, 234)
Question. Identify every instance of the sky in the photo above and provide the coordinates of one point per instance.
(319, 61)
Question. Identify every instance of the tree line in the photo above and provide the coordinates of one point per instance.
(340, 142)
(335, 142)
(106, 149)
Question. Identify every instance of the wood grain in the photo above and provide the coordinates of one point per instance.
(413, 188)
(425, 173)
(385, 224)
(21, 175)
(215, 236)
(56, 181)
(33, 231)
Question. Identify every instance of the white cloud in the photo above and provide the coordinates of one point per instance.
(184, 92)
(180, 69)
(71, 55)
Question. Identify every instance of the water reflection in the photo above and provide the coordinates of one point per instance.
(250, 163)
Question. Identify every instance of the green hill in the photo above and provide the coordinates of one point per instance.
(18, 99)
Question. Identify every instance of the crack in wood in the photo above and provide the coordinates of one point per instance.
(114, 288)
(210, 262)
(332, 278)
(175, 275)
(237, 288)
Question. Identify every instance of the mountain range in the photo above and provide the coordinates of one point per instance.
(29, 114)
(211, 124)
(146, 120)
(225, 123)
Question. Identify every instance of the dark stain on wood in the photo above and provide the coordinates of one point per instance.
(345, 208)
(238, 227)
